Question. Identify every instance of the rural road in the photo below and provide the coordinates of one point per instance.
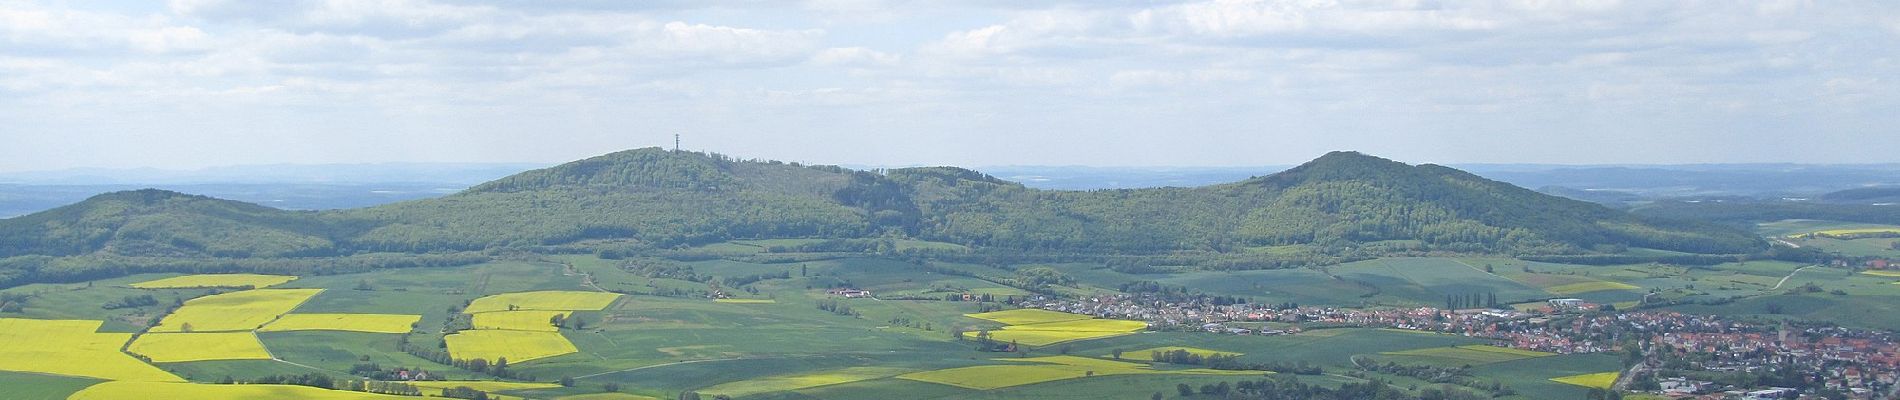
(1784, 280)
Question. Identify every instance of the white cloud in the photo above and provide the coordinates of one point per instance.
(855, 56)
(1058, 78)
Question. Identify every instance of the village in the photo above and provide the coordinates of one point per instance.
(1863, 364)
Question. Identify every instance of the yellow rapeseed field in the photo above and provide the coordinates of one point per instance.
(372, 323)
(1145, 354)
(199, 346)
(1035, 327)
(256, 281)
(517, 346)
(235, 311)
(802, 381)
(552, 300)
(532, 320)
(201, 391)
(1856, 231)
(1600, 380)
(71, 348)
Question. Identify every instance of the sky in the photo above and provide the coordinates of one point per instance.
(197, 83)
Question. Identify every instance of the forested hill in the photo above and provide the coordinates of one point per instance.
(1342, 202)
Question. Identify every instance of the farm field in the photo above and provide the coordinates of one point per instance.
(1427, 281)
(196, 391)
(1028, 316)
(1042, 328)
(516, 346)
(71, 348)
(1531, 377)
(199, 346)
(746, 301)
(533, 320)
(1044, 369)
(802, 381)
(1148, 353)
(255, 281)
(544, 301)
(1600, 380)
(30, 386)
(486, 386)
(1587, 287)
(371, 323)
(234, 311)
(1793, 227)
(658, 346)
(1463, 355)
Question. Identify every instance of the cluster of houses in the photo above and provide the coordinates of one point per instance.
(1855, 361)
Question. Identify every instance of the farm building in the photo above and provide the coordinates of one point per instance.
(849, 293)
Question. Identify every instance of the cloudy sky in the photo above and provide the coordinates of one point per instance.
(194, 83)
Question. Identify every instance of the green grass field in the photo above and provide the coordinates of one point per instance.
(1426, 281)
(1587, 287)
(802, 381)
(29, 386)
(1045, 369)
(1457, 356)
(657, 346)
(199, 391)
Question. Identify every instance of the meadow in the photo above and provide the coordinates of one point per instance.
(196, 391)
(32, 386)
(802, 381)
(1458, 356)
(1025, 371)
(775, 344)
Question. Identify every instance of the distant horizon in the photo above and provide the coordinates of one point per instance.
(543, 164)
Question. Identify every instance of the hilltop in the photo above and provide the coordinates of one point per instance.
(1340, 204)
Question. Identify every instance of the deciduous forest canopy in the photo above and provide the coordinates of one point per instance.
(1343, 204)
